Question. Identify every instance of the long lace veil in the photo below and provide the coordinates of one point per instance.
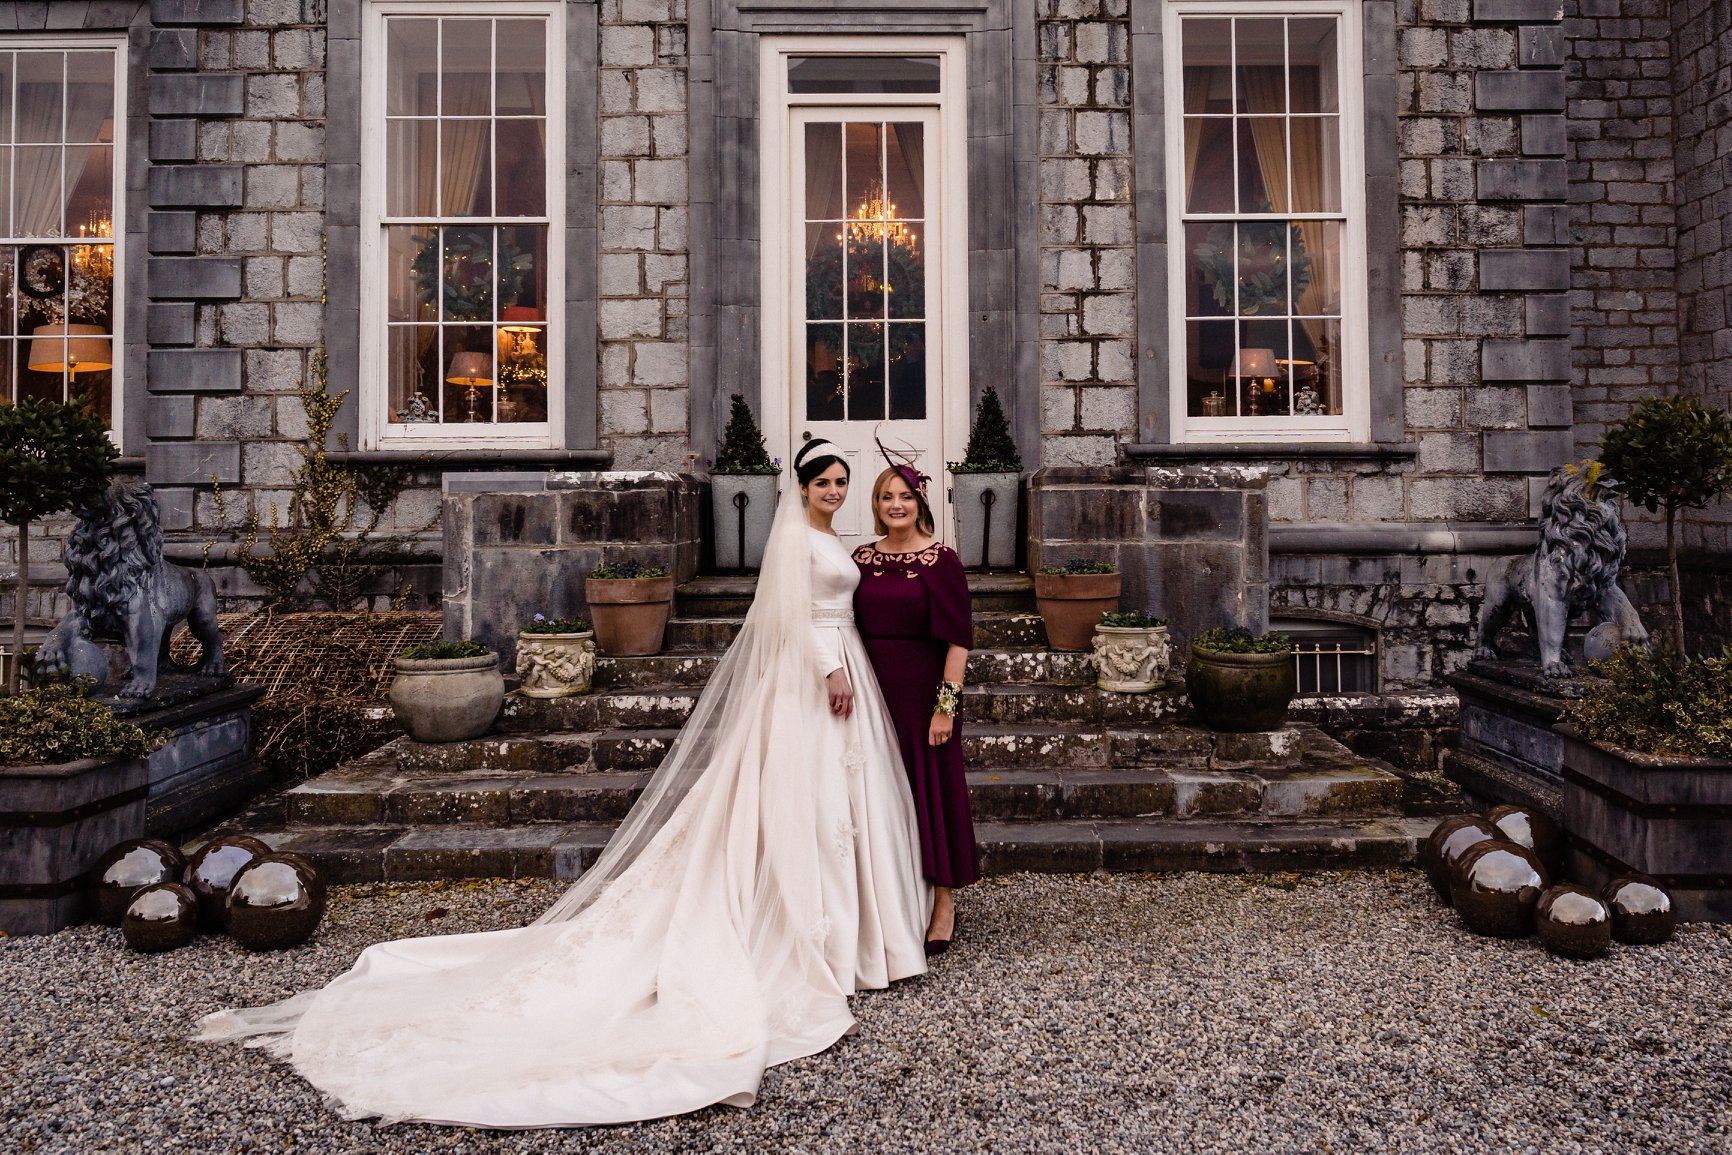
(764, 682)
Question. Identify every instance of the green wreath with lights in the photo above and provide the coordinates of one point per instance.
(469, 272)
(1263, 268)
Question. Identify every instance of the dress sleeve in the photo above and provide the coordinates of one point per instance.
(827, 649)
(947, 591)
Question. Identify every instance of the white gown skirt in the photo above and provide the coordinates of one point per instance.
(786, 880)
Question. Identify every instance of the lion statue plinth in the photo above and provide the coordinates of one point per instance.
(1573, 569)
(123, 591)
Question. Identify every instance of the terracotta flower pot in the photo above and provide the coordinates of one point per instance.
(447, 699)
(1071, 605)
(630, 615)
(555, 665)
(1240, 693)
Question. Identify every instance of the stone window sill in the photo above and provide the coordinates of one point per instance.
(474, 458)
(1325, 450)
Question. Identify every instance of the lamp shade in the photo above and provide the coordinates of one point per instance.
(521, 318)
(472, 369)
(1254, 363)
(69, 348)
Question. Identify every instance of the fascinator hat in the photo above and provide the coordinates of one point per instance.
(901, 460)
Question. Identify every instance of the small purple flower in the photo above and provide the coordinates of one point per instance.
(539, 618)
(777, 461)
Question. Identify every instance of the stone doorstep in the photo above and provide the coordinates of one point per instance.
(562, 850)
(987, 665)
(722, 595)
(1004, 628)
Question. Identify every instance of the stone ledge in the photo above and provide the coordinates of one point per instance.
(1389, 537)
(1277, 451)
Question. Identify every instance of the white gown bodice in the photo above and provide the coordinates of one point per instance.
(834, 579)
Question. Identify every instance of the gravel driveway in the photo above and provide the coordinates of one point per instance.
(1124, 1013)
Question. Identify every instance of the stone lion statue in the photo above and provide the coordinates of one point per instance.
(122, 590)
(1574, 568)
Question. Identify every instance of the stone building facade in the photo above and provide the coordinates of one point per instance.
(1537, 187)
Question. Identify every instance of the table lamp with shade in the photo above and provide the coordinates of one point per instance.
(473, 371)
(70, 349)
(1259, 365)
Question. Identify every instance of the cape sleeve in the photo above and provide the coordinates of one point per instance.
(947, 592)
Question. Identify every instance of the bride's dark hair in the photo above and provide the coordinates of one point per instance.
(813, 460)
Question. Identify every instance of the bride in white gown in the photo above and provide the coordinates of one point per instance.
(770, 870)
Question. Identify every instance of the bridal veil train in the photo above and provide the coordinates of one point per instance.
(769, 870)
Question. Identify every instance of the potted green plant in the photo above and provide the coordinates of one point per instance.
(629, 604)
(447, 691)
(1132, 652)
(1671, 453)
(742, 491)
(1239, 681)
(1647, 775)
(1071, 599)
(986, 484)
(555, 657)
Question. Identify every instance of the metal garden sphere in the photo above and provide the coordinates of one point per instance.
(314, 876)
(126, 869)
(213, 869)
(272, 905)
(160, 917)
(1495, 886)
(1642, 911)
(1573, 922)
(1530, 827)
(1449, 840)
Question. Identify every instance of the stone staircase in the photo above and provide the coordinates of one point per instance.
(1063, 777)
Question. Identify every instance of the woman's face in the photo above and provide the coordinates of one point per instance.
(897, 507)
(829, 489)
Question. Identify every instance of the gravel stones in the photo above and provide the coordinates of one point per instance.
(1097, 1013)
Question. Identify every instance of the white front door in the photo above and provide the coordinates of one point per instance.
(866, 338)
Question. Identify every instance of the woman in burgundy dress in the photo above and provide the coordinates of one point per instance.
(913, 614)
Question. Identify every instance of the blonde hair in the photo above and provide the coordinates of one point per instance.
(922, 519)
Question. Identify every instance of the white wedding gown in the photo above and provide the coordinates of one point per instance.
(770, 870)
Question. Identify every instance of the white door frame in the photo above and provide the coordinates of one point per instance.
(946, 235)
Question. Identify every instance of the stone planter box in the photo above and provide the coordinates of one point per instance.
(56, 821)
(1132, 659)
(985, 506)
(555, 665)
(1508, 751)
(630, 615)
(1666, 817)
(1241, 693)
(447, 699)
(1071, 606)
(742, 505)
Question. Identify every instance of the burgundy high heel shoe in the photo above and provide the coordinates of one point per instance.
(937, 946)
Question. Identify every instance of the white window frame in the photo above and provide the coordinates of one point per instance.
(117, 307)
(1353, 424)
(376, 430)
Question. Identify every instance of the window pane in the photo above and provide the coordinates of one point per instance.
(409, 166)
(522, 78)
(905, 287)
(824, 271)
(9, 383)
(411, 67)
(1208, 49)
(823, 172)
(6, 195)
(1259, 56)
(465, 168)
(468, 270)
(89, 97)
(1313, 67)
(41, 96)
(1262, 164)
(908, 372)
(907, 171)
(412, 278)
(1262, 265)
(1316, 164)
(1317, 366)
(8, 66)
(865, 170)
(414, 363)
(90, 190)
(1209, 165)
(872, 74)
(522, 373)
(1209, 347)
(865, 372)
(522, 168)
(1260, 368)
(523, 289)
(865, 270)
(1316, 251)
(90, 293)
(824, 384)
(466, 55)
(94, 387)
(1208, 270)
(38, 197)
(469, 374)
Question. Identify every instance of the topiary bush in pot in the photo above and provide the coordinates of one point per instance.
(742, 491)
(986, 487)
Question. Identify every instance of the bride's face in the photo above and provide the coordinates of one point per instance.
(897, 507)
(829, 489)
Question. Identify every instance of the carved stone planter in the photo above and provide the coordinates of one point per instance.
(447, 699)
(630, 614)
(742, 505)
(1132, 659)
(555, 665)
(1240, 693)
(984, 505)
(1071, 605)
(56, 821)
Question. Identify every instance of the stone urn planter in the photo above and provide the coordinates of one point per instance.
(446, 699)
(984, 506)
(555, 663)
(1667, 817)
(742, 506)
(1072, 599)
(630, 613)
(1132, 653)
(1240, 690)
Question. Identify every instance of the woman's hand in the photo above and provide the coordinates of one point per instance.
(841, 693)
(942, 726)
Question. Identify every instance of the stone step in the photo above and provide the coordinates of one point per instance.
(730, 595)
(562, 850)
(992, 628)
(986, 666)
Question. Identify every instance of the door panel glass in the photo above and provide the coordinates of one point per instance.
(865, 271)
(863, 159)
(907, 371)
(863, 74)
(825, 388)
(824, 271)
(866, 372)
(905, 172)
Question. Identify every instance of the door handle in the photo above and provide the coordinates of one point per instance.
(805, 435)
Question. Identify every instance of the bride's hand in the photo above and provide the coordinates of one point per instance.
(940, 731)
(841, 693)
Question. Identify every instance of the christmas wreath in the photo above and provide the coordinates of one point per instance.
(469, 281)
(1263, 267)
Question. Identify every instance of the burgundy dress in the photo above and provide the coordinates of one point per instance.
(911, 608)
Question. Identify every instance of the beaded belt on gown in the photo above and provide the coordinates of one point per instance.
(832, 617)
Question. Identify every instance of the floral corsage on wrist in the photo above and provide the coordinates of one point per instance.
(947, 695)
